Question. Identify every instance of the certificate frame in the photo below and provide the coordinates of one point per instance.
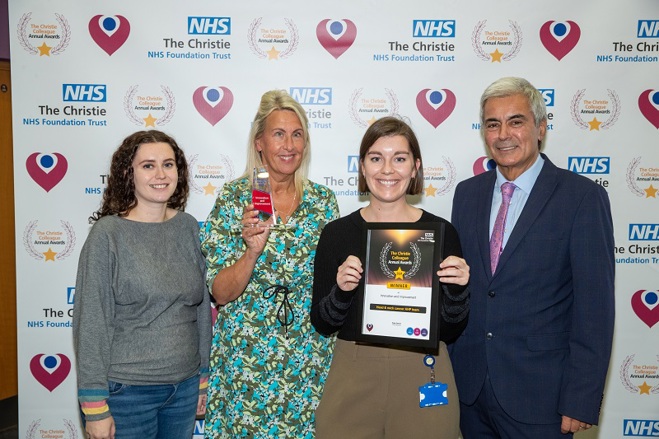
(402, 311)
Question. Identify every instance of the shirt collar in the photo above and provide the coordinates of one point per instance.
(525, 181)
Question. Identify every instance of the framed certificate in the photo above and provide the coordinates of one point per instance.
(400, 294)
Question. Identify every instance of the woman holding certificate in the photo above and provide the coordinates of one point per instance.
(268, 364)
(393, 388)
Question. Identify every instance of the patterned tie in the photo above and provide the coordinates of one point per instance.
(496, 242)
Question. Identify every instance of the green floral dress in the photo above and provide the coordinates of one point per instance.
(267, 377)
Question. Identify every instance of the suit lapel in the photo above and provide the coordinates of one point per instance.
(542, 190)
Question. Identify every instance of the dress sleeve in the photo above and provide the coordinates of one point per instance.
(454, 298)
(220, 241)
(93, 313)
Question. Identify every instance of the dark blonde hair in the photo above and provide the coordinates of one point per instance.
(387, 127)
(119, 196)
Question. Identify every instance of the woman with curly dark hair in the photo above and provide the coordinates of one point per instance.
(142, 314)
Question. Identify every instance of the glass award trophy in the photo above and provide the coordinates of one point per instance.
(261, 196)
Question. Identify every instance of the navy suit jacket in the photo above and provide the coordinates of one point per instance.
(542, 326)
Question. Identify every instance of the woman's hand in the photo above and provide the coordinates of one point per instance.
(349, 273)
(254, 233)
(453, 270)
(201, 404)
(103, 429)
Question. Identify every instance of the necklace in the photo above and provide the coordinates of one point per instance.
(290, 209)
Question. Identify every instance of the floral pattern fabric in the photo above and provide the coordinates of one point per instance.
(266, 377)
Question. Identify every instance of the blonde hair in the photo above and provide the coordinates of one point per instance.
(274, 100)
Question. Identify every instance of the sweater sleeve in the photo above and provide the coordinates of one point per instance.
(92, 328)
(454, 298)
(205, 333)
(330, 304)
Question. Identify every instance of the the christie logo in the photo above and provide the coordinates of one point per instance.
(312, 95)
(84, 93)
(648, 29)
(589, 165)
(640, 428)
(644, 232)
(433, 28)
(209, 26)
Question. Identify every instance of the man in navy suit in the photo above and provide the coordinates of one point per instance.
(533, 359)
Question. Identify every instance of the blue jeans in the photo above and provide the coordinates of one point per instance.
(158, 412)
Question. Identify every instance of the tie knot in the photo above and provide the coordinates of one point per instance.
(507, 190)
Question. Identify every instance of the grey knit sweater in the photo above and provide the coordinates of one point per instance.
(142, 312)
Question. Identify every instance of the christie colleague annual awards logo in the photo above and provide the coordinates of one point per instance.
(435, 105)
(213, 103)
(640, 376)
(110, 32)
(496, 43)
(336, 36)
(208, 175)
(367, 107)
(40, 430)
(271, 40)
(560, 37)
(438, 180)
(596, 112)
(49, 243)
(642, 179)
(149, 107)
(39, 35)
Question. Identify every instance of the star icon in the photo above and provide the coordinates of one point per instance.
(594, 124)
(430, 190)
(650, 192)
(50, 255)
(149, 121)
(371, 121)
(209, 189)
(399, 273)
(273, 53)
(496, 55)
(44, 49)
(644, 388)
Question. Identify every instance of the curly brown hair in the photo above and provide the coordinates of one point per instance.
(119, 196)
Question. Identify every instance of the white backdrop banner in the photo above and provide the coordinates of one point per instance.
(87, 74)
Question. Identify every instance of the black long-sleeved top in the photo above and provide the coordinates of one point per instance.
(332, 309)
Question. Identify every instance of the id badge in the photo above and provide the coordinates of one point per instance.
(432, 394)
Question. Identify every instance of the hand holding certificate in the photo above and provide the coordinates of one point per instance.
(401, 289)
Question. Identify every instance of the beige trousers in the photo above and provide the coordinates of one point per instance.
(373, 392)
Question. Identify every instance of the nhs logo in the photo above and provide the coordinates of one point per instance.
(589, 165)
(640, 428)
(648, 29)
(644, 232)
(312, 95)
(84, 93)
(353, 164)
(209, 25)
(433, 28)
(70, 295)
(548, 96)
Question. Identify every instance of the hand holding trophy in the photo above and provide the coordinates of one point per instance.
(262, 200)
